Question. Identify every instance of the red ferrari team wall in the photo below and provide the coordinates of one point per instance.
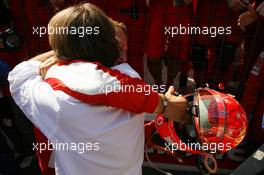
(31, 14)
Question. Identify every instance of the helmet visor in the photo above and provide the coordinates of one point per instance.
(211, 114)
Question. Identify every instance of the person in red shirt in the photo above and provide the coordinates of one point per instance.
(252, 86)
(163, 14)
(253, 102)
(252, 24)
(212, 56)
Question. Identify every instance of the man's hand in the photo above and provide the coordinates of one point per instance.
(44, 56)
(177, 107)
(48, 59)
(44, 67)
(246, 18)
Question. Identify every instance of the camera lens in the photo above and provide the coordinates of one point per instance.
(13, 41)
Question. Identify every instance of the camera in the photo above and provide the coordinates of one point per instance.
(10, 40)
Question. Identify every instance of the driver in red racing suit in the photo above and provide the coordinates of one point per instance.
(253, 103)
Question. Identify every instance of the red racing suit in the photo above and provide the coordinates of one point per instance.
(212, 56)
(163, 14)
(253, 101)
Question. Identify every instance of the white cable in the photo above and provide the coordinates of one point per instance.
(149, 161)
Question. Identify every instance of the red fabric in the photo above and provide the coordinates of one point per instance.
(37, 13)
(253, 101)
(254, 44)
(136, 29)
(163, 14)
(43, 156)
(215, 14)
(132, 101)
(29, 14)
(209, 13)
(195, 6)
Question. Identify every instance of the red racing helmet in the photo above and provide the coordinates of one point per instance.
(217, 119)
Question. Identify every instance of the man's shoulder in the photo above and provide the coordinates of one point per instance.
(125, 68)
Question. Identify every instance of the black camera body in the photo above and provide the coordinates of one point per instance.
(10, 40)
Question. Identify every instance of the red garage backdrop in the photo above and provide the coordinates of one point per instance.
(30, 14)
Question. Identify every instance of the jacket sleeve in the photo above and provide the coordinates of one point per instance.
(105, 87)
(34, 97)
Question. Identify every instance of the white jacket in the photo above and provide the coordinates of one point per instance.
(114, 138)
